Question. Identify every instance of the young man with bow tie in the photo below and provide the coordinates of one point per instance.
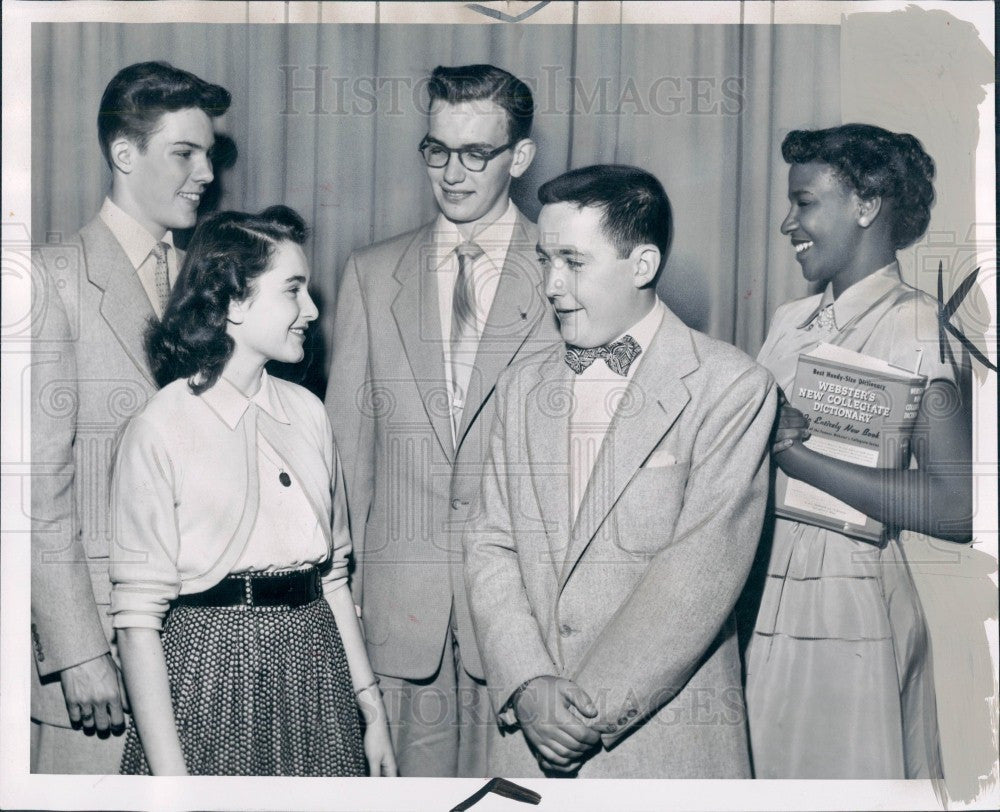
(621, 505)
(425, 323)
(94, 296)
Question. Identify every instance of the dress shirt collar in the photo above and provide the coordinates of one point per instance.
(230, 404)
(644, 329)
(135, 240)
(643, 332)
(494, 238)
(858, 298)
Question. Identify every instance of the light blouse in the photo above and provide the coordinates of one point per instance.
(193, 498)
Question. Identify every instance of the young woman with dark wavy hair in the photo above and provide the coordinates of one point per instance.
(240, 646)
(839, 681)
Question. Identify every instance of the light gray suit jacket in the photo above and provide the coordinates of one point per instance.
(409, 487)
(634, 599)
(88, 377)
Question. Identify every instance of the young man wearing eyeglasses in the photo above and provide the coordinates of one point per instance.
(425, 323)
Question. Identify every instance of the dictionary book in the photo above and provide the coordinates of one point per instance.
(862, 410)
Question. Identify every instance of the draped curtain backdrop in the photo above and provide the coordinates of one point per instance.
(327, 117)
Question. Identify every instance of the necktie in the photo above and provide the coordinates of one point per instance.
(618, 355)
(464, 329)
(161, 277)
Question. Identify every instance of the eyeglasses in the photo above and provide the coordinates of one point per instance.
(437, 155)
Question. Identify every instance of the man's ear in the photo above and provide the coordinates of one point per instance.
(645, 260)
(868, 210)
(122, 153)
(524, 154)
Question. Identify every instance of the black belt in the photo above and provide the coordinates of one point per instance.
(259, 589)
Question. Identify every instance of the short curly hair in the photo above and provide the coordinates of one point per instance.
(874, 163)
(228, 251)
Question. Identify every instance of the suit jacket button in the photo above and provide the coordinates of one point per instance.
(632, 712)
(623, 720)
(458, 504)
(565, 631)
(612, 727)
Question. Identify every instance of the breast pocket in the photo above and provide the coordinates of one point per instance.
(647, 511)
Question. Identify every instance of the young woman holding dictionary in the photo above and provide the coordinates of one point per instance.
(839, 681)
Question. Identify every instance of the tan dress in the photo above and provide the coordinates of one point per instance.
(839, 681)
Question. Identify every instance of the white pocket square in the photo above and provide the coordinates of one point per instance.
(660, 458)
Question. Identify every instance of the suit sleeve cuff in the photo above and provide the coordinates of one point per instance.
(88, 646)
(614, 725)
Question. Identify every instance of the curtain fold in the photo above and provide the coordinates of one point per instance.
(804, 92)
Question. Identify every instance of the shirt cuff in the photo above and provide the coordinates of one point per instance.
(137, 620)
(139, 607)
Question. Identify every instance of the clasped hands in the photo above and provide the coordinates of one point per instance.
(791, 427)
(552, 712)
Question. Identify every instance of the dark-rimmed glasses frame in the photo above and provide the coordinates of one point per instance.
(436, 155)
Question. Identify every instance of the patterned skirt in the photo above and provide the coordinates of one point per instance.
(258, 691)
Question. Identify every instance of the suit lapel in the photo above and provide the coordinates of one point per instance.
(517, 307)
(546, 433)
(415, 310)
(124, 305)
(660, 396)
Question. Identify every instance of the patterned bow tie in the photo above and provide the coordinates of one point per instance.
(618, 355)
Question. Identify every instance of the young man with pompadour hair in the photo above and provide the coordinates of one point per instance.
(95, 294)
